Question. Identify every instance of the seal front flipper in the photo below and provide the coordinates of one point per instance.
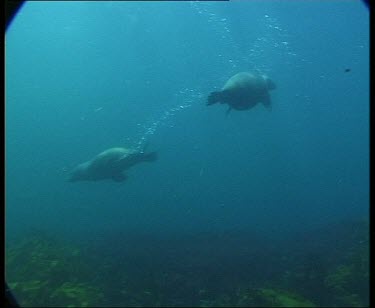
(119, 177)
(228, 110)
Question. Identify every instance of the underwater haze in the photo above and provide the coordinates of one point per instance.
(248, 208)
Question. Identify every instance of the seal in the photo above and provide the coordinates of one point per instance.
(110, 164)
(243, 91)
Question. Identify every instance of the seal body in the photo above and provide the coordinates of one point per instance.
(110, 164)
(243, 91)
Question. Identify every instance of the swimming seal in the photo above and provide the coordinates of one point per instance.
(243, 91)
(110, 164)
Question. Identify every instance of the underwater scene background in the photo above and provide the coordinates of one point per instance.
(254, 208)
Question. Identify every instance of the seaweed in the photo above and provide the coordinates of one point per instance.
(349, 282)
(267, 297)
(44, 272)
(200, 272)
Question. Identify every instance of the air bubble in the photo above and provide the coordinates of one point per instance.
(152, 128)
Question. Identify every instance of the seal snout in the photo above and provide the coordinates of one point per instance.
(72, 177)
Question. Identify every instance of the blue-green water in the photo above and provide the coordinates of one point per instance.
(87, 76)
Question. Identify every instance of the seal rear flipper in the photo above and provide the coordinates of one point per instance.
(152, 156)
(214, 98)
(119, 177)
(266, 101)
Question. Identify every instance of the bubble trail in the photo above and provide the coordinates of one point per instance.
(188, 96)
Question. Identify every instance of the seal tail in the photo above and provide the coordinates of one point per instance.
(214, 98)
(152, 156)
